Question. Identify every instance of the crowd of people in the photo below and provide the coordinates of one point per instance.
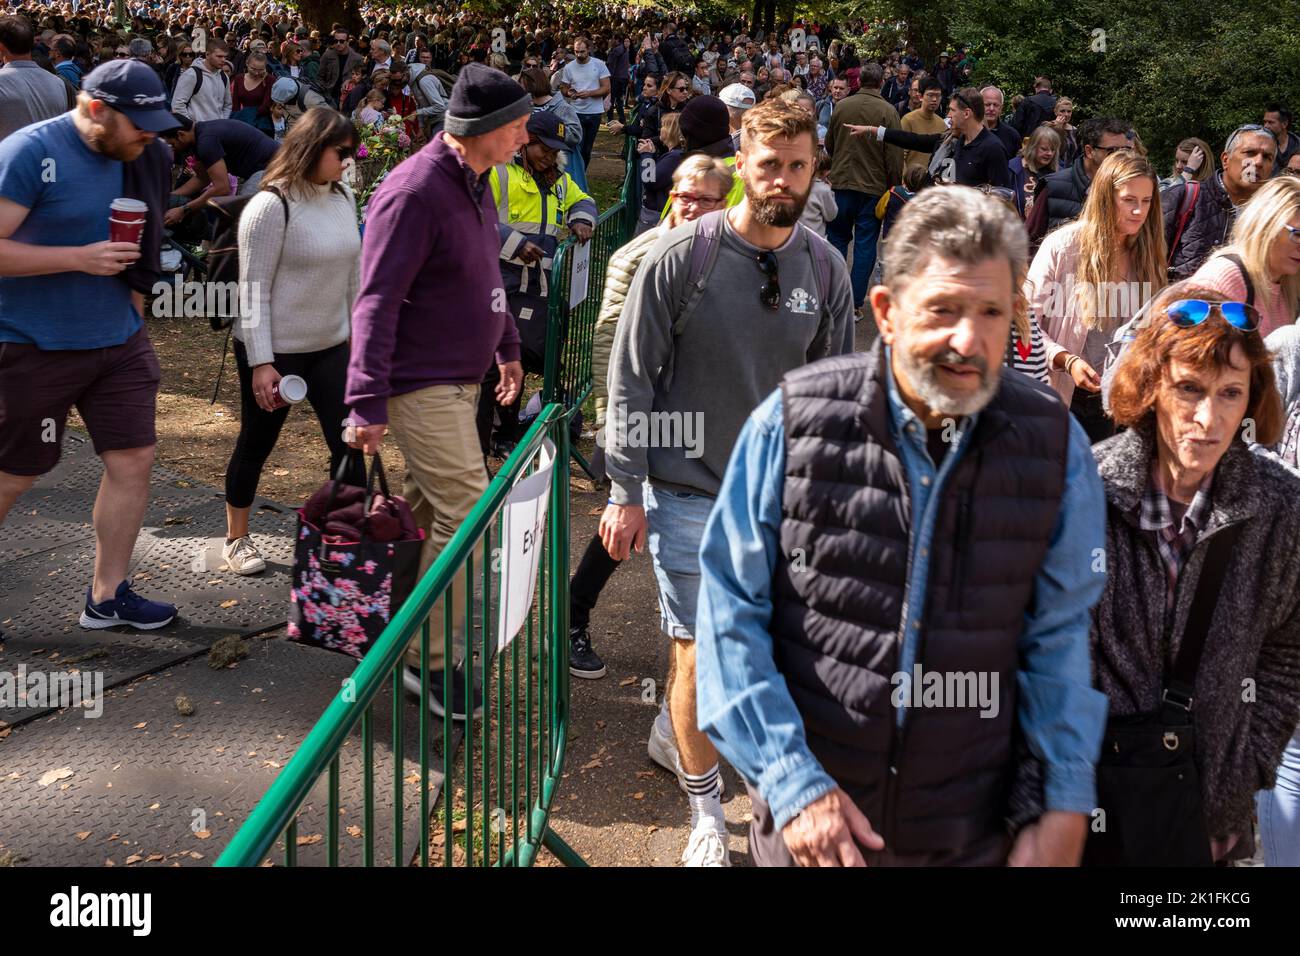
(1015, 584)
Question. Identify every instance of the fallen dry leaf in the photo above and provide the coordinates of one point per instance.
(591, 765)
(354, 831)
(645, 773)
(47, 778)
(133, 858)
(153, 857)
(310, 840)
(639, 795)
(270, 763)
(83, 834)
(154, 806)
(231, 603)
(203, 834)
(140, 726)
(627, 682)
(195, 856)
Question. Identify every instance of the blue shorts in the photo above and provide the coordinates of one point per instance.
(675, 522)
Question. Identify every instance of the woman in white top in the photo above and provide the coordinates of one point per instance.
(1091, 275)
(299, 270)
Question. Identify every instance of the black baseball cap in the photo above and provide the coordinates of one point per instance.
(548, 128)
(133, 89)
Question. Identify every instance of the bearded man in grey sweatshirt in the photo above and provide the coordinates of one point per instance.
(719, 311)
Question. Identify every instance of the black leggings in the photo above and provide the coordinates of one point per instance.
(594, 572)
(326, 374)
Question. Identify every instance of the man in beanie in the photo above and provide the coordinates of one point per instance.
(70, 312)
(769, 297)
(706, 127)
(431, 316)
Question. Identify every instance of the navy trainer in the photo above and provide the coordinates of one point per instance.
(127, 608)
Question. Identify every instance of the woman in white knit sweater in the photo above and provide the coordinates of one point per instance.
(299, 266)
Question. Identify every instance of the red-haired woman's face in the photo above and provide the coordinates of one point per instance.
(1198, 413)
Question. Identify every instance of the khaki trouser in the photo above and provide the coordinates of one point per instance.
(445, 477)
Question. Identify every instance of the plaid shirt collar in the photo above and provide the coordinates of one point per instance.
(1174, 544)
(1156, 514)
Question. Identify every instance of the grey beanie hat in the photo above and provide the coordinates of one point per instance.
(484, 99)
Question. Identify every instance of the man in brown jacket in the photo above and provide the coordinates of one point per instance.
(861, 172)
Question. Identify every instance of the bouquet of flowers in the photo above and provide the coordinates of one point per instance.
(379, 150)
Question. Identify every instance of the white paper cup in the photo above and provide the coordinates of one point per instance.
(293, 389)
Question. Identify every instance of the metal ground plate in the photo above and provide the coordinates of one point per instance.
(47, 551)
(140, 780)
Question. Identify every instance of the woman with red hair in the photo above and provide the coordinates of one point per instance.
(1196, 639)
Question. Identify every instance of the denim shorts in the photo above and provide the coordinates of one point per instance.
(675, 521)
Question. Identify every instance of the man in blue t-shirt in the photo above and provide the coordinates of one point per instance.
(585, 83)
(70, 326)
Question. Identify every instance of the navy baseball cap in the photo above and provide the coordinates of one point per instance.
(134, 89)
(548, 128)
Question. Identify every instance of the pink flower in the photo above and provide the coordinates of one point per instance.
(362, 152)
(403, 141)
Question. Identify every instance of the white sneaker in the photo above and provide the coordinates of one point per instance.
(662, 749)
(707, 846)
(242, 556)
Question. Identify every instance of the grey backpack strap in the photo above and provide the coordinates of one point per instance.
(704, 253)
(1245, 276)
(821, 264)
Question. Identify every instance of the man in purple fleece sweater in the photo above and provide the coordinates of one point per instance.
(431, 317)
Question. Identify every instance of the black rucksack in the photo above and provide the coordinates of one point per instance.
(304, 85)
(198, 83)
(223, 249)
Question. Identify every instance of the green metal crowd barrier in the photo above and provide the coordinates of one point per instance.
(571, 328)
(497, 790)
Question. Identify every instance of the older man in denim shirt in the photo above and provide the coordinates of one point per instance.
(904, 444)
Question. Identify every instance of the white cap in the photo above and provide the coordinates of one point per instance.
(738, 96)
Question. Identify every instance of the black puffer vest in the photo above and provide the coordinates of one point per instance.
(936, 789)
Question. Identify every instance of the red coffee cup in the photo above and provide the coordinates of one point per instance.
(126, 218)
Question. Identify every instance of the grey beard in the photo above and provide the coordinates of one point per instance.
(923, 374)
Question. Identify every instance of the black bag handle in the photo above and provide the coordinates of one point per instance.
(376, 472)
(1180, 688)
(1245, 276)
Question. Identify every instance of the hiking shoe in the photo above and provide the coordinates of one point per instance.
(126, 607)
(583, 661)
(707, 846)
(437, 705)
(662, 749)
(242, 556)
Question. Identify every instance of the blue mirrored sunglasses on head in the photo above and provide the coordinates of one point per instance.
(1186, 313)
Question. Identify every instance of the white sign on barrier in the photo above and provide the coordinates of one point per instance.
(523, 527)
(578, 276)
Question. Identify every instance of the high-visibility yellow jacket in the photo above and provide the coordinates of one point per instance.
(734, 195)
(529, 214)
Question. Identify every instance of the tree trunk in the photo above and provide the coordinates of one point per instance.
(756, 21)
(769, 16)
(323, 14)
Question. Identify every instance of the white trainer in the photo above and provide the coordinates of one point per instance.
(662, 749)
(242, 556)
(707, 846)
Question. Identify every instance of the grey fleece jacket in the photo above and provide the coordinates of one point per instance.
(1254, 638)
(679, 395)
